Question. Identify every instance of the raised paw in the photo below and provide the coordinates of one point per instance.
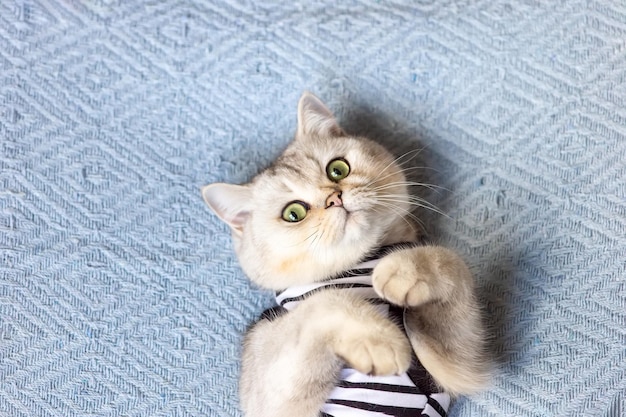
(379, 353)
(397, 280)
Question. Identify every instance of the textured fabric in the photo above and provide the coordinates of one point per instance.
(119, 291)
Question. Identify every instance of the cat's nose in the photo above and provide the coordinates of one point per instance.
(334, 200)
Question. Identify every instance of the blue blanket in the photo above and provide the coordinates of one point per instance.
(119, 291)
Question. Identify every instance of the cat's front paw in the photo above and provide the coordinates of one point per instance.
(397, 280)
(383, 352)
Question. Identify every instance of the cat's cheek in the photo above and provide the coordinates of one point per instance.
(369, 224)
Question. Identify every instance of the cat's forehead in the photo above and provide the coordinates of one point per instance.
(303, 163)
(309, 150)
(291, 172)
(306, 157)
(299, 167)
(320, 148)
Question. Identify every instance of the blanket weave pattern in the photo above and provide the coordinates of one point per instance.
(120, 294)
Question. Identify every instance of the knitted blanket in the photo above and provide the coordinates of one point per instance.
(119, 291)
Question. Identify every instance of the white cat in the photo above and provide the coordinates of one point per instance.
(327, 204)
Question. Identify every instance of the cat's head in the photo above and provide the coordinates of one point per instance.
(326, 202)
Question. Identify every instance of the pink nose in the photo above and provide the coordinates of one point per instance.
(334, 200)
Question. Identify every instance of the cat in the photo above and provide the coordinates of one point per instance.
(327, 204)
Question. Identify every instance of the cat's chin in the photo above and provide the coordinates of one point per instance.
(356, 219)
(353, 221)
(361, 226)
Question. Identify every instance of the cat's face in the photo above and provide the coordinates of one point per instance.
(325, 203)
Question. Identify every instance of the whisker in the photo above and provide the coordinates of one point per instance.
(312, 234)
(409, 199)
(414, 201)
(317, 242)
(312, 243)
(402, 196)
(416, 151)
(402, 171)
(432, 187)
(404, 213)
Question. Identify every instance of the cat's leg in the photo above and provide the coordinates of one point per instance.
(291, 364)
(443, 318)
(283, 374)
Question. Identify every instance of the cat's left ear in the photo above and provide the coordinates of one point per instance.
(315, 118)
(230, 202)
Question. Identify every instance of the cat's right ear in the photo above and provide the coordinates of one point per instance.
(231, 203)
(314, 118)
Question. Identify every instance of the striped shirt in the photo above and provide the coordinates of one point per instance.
(358, 395)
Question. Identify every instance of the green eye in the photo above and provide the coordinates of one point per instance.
(337, 169)
(295, 211)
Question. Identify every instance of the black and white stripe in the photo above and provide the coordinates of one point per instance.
(360, 395)
(358, 281)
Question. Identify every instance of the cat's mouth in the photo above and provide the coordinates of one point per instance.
(354, 215)
(353, 212)
(348, 209)
(357, 206)
(344, 212)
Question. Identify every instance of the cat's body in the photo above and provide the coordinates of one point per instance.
(323, 206)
